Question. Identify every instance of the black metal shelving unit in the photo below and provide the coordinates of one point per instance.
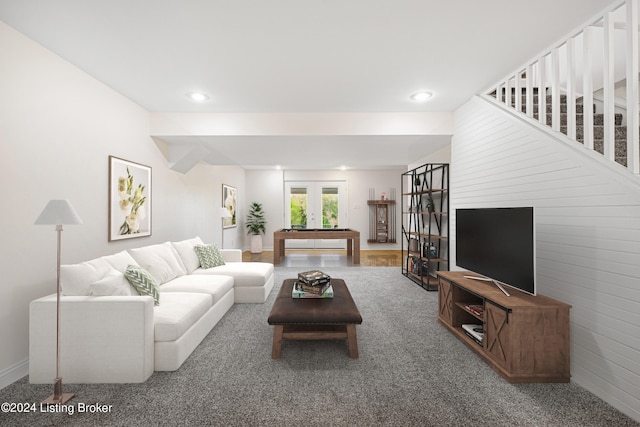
(425, 223)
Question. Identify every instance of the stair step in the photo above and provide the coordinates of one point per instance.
(598, 119)
(598, 133)
(536, 99)
(563, 108)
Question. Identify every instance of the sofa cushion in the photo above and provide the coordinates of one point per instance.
(209, 256)
(76, 279)
(143, 281)
(113, 284)
(120, 261)
(187, 254)
(215, 285)
(162, 261)
(177, 313)
(243, 273)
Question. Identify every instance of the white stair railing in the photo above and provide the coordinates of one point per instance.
(597, 57)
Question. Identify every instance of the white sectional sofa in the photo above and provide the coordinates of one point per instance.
(112, 334)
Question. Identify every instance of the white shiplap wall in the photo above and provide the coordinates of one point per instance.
(588, 235)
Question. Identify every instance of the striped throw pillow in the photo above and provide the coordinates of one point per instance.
(143, 281)
(209, 256)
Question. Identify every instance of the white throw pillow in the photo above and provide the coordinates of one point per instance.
(113, 284)
(185, 250)
(120, 261)
(161, 261)
(76, 279)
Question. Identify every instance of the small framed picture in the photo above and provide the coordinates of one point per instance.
(230, 202)
(129, 199)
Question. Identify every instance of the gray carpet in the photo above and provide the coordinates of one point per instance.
(410, 372)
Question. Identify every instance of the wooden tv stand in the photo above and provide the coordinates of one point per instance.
(526, 337)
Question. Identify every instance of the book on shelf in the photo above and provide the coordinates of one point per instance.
(298, 292)
(476, 309)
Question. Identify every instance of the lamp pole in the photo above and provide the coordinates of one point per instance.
(58, 212)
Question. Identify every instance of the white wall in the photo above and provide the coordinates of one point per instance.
(57, 128)
(443, 155)
(202, 188)
(588, 229)
(266, 187)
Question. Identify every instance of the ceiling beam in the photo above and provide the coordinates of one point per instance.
(308, 124)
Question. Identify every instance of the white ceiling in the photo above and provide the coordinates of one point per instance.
(298, 56)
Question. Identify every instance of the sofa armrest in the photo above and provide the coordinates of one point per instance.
(102, 339)
(231, 255)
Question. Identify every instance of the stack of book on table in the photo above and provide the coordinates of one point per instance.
(312, 284)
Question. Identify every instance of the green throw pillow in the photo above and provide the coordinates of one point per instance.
(143, 281)
(209, 256)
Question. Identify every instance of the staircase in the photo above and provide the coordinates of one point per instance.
(598, 120)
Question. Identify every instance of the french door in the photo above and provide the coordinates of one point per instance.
(315, 204)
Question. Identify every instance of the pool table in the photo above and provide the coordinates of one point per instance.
(352, 236)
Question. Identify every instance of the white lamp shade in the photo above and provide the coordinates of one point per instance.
(58, 212)
(224, 213)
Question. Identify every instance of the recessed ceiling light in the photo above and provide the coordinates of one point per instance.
(198, 96)
(421, 96)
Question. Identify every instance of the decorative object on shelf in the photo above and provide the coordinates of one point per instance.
(413, 245)
(429, 205)
(224, 214)
(425, 229)
(229, 202)
(129, 199)
(256, 226)
(58, 213)
(382, 217)
(419, 266)
(431, 250)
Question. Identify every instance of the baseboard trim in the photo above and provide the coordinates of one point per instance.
(14, 373)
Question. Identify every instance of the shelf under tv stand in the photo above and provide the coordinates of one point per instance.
(526, 337)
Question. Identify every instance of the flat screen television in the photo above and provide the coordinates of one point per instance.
(498, 243)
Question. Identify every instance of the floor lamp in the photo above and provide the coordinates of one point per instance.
(224, 213)
(58, 212)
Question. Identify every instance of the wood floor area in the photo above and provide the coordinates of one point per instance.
(329, 258)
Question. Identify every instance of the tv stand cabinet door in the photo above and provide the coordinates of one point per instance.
(497, 334)
(445, 302)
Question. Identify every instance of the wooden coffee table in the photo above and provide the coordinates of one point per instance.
(315, 318)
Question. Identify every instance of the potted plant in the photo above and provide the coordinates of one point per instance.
(256, 226)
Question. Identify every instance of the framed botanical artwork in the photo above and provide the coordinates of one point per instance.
(230, 202)
(129, 199)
